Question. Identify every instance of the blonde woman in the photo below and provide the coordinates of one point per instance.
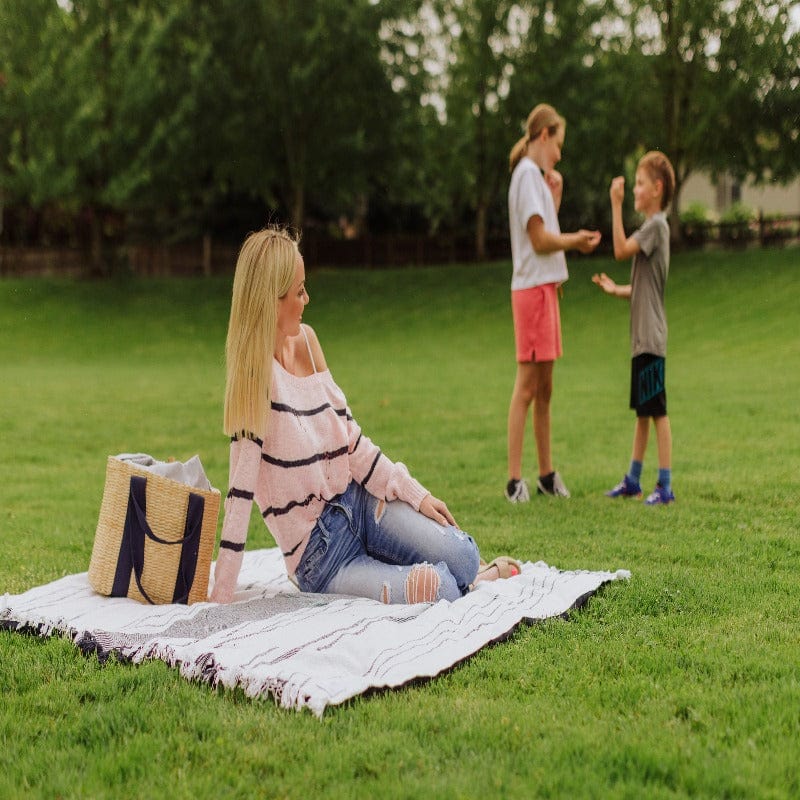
(540, 267)
(347, 519)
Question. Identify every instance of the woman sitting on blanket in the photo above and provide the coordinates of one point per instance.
(347, 519)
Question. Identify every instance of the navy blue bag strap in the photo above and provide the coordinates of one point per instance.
(131, 551)
(190, 548)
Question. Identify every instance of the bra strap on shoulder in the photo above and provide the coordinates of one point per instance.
(308, 345)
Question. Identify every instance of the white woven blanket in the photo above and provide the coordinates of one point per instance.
(306, 650)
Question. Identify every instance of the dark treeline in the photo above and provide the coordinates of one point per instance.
(143, 121)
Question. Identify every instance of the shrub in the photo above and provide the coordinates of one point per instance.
(735, 224)
(695, 214)
(737, 212)
(694, 223)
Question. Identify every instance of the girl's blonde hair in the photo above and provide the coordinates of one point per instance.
(265, 271)
(543, 116)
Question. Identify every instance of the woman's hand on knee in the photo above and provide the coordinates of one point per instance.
(436, 510)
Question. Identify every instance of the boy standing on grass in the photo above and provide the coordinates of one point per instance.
(649, 248)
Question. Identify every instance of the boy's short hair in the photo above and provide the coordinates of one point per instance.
(658, 167)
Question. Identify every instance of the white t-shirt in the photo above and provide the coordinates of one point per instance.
(528, 196)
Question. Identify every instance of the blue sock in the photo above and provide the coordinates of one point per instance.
(635, 471)
(665, 478)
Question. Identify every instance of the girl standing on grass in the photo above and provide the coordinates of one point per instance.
(347, 519)
(540, 268)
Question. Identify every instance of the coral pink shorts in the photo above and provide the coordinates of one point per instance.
(537, 323)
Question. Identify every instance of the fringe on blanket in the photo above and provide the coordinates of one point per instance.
(305, 651)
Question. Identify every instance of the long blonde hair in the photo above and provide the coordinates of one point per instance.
(265, 271)
(543, 116)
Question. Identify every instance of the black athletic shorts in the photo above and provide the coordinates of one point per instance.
(648, 386)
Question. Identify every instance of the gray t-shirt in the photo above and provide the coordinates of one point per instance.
(648, 282)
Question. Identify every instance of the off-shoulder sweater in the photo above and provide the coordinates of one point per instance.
(313, 449)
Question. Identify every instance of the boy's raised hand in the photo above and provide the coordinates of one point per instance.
(617, 190)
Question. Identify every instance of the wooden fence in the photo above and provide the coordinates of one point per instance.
(763, 231)
(205, 257)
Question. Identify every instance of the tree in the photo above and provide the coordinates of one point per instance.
(487, 63)
(719, 83)
(561, 63)
(171, 145)
(455, 59)
(60, 151)
(157, 113)
(313, 100)
(484, 46)
(29, 107)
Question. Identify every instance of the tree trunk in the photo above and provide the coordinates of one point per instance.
(295, 146)
(207, 255)
(481, 215)
(96, 262)
(361, 211)
(298, 209)
(675, 211)
(480, 179)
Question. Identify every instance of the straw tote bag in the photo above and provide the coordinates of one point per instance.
(155, 537)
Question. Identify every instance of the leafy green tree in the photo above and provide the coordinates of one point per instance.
(61, 148)
(152, 114)
(716, 84)
(414, 57)
(456, 59)
(487, 64)
(312, 102)
(145, 139)
(88, 85)
(29, 105)
(560, 62)
(171, 144)
(484, 49)
(160, 110)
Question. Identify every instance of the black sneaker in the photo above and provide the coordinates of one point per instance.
(558, 490)
(518, 491)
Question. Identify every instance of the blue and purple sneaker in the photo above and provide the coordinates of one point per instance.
(625, 488)
(660, 496)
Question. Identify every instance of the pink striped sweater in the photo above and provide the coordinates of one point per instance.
(312, 450)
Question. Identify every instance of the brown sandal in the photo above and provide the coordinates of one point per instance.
(507, 567)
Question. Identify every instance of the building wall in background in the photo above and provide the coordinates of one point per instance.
(768, 198)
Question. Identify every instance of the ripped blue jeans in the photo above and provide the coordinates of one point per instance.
(386, 551)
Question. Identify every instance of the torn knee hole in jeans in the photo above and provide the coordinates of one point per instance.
(386, 594)
(379, 509)
(422, 584)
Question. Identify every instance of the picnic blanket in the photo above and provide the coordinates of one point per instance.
(306, 650)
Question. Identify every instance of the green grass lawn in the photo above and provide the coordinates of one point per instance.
(683, 682)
